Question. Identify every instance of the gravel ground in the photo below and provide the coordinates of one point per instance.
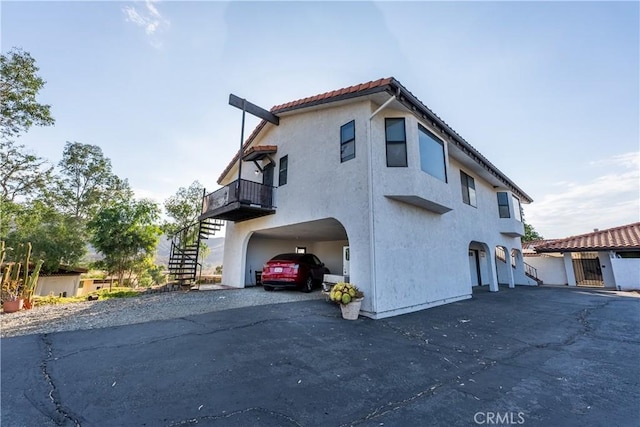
(145, 308)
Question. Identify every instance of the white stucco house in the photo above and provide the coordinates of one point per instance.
(63, 282)
(424, 215)
(604, 258)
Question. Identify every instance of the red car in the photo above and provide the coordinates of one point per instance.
(302, 271)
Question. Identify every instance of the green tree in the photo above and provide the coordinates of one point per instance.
(183, 208)
(19, 87)
(23, 173)
(86, 181)
(56, 238)
(126, 234)
(530, 234)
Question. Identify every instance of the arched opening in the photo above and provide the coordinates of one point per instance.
(503, 265)
(325, 238)
(480, 276)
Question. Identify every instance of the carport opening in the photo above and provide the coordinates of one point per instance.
(326, 238)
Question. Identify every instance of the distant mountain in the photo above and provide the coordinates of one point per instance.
(214, 259)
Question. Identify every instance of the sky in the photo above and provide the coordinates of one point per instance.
(547, 91)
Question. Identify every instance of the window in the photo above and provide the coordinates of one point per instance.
(301, 249)
(517, 213)
(468, 189)
(503, 205)
(284, 166)
(431, 154)
(348, 141)
(396, 143)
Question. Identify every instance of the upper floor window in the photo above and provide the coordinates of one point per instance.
(468, 189)
(348, 141)
(503, 205)
(517, 212)
(431, 154)
(396, 143)
(284, 166)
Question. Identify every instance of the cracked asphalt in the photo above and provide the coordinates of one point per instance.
(526, 356)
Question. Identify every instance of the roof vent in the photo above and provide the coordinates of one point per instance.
(595, 230)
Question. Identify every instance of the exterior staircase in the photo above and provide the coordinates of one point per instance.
(184, 265)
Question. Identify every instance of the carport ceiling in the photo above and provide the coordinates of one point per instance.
(323, 230)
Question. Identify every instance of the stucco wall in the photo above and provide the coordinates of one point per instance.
(607, 270)
(56, 285)
(627, 273)
(422, 256)
(550, 269)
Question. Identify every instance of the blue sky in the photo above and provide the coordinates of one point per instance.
(547, 91)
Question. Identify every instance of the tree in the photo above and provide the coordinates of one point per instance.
(86, 181)
(19, 87)
(56, 238)
(183, 208)
(23, 173)
(530, 234)
(126, 234)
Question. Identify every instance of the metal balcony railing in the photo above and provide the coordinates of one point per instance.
(247, 193)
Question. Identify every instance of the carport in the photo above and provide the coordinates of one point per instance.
(325, 238)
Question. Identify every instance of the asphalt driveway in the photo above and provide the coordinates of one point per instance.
(524, 356)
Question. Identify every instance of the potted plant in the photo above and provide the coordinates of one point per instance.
(349, 297)
(16, 287)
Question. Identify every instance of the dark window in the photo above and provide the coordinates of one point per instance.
(284, 166)
(431, 154)
(396, 143)
(503, 205)
(468, 189)
(348, 141)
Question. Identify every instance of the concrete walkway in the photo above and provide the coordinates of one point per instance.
(524, 356)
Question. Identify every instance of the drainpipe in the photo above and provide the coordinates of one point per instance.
(372, 233)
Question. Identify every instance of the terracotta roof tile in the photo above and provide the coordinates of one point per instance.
(617, 238)
(332, 94)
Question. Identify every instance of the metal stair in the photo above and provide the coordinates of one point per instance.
(184, 266)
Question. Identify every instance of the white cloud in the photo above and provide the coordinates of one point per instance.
(608, 200)
(148, 18)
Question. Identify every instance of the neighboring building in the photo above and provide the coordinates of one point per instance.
(92, 284)
(608, 258)
(425, 216)
(63, 282)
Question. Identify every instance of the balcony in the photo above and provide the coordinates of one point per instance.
(237, 203)
(511, 227)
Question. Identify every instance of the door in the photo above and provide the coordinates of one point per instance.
(267, 182)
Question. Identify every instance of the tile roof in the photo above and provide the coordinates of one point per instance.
(530, 246)
(617, 238)
(392, 86)
(318, 99)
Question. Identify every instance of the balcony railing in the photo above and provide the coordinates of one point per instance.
(241, 202)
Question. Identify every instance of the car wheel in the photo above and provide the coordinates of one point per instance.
(268, 288)
(308, 285)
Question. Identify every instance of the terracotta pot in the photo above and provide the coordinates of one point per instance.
(28, 304)
(12, 306)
